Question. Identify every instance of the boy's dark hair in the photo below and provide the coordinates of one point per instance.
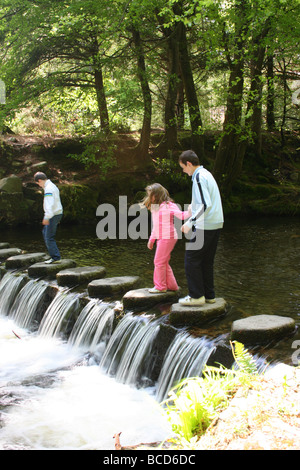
(40, 176)
(189, 156)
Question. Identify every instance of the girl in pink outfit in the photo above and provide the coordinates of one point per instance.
(163, 210)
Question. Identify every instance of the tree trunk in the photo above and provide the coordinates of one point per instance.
(191, 95)
(169, 141)
(285, 89)
(254, 107)
(171, 138)
(270, 94)
(232, 146)
(143, 146)
(231, 149)
(101, 100)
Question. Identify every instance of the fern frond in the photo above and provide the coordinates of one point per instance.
(243, 358)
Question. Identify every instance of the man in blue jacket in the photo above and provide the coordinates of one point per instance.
(53, 211)
(206, 222)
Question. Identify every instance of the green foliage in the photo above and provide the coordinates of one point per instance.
(98, 152)
(195, 402)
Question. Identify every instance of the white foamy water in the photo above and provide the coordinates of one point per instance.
(79, 408)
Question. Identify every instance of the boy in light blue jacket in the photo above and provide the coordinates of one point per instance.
(206, 222)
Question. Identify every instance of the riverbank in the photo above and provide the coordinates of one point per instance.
(262, 415)
(91, 173)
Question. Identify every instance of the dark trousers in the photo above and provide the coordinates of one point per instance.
(49, 232)
(199, 264)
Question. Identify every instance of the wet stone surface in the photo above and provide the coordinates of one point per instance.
(142, 298)
(49, 271)
(7, 252)
(111, 285)
(260, 329)
(80, 275)
(24, 260)
(182, 315)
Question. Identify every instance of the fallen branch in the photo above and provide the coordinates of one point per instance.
(118, 445)
(16, 334)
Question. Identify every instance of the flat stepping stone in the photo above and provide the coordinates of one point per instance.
(4, 245)
(111, 285)
(50, 270)
(142, 298)
(25, 260)
(260, 329)
(7, 252)
(183, 315)
(80, 275)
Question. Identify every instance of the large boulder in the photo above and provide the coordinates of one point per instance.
(11, 184)
(261, 329)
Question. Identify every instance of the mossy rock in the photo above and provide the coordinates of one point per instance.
(79, 202)
(14, 209)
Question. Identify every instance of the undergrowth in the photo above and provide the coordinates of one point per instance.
(194, 403)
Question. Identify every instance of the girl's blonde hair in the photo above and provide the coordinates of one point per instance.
(156, 194)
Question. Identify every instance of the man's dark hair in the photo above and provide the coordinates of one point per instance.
(189, 156)
(40, 176)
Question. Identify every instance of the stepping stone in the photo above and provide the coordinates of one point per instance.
(80, 275)
(182, 315)
(23, 261)
(7, 252)
(111, 285)
(4, 245)
(142, 298)
(260, 329)
(50, 270)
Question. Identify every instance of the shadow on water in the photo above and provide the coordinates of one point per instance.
(256, 268)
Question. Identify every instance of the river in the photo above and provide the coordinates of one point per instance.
(53, 397)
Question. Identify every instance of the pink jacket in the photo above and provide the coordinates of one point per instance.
(163, 221)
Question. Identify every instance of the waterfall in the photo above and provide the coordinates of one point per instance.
(9, 287)
(186, 357)
(128, 352)
(57, 315)
(93, 326)
(26, 303)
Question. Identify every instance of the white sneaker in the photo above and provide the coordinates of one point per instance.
(49, 261)
(156, 291)
(210, 301)
(192, 302)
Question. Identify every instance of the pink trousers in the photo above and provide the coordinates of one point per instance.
(163, 276)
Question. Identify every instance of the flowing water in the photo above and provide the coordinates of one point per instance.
(73, 385)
